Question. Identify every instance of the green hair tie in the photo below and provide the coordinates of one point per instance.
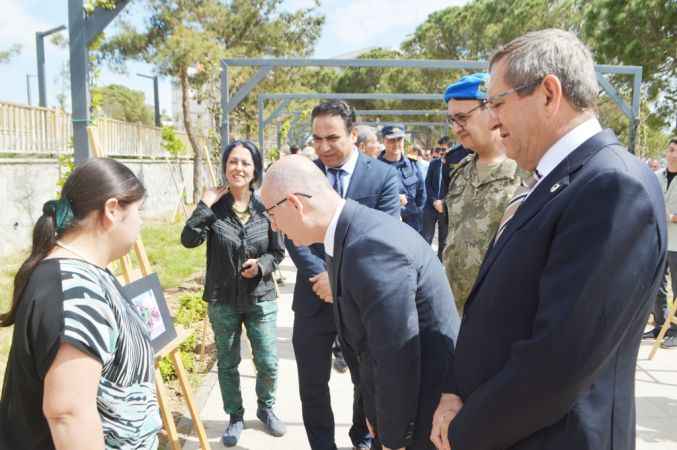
(61, 211)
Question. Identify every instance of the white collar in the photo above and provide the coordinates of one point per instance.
(351, 162)
(331, 229)
(566, 145)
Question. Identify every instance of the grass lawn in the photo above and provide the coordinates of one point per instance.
(173, 263)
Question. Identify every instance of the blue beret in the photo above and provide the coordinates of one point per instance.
(470, 87)
(393, 131)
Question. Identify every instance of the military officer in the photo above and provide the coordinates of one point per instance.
(480, 187)
(412, 189)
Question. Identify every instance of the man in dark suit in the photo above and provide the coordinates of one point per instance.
(568, 282)
(392, 302)
(367, 181)
(433, 212)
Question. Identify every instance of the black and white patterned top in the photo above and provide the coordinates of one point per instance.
(70, 300)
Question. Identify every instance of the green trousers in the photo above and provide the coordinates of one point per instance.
(260, 320)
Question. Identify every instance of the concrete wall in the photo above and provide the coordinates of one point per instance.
(26, 184)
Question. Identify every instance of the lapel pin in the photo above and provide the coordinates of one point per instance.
(555, 187)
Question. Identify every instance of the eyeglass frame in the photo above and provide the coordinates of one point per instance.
(281, 202)
(451, 121)
(490, 101)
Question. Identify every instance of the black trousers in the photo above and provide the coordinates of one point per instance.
(430, 218)
(660, 311)
(313, 338)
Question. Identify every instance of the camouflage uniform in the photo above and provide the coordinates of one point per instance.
(475, 209)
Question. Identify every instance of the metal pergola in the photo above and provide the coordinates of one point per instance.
(266, 65)
(358, 113)
(287, 97)
(83, 28)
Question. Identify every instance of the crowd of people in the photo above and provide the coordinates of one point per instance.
(521, 332)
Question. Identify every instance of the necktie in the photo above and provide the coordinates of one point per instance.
(521, 193)
(337, 182)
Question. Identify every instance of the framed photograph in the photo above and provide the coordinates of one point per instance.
(146, 295)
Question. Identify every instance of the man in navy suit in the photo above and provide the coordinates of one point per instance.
(433, 212)
(392, 303)
(373, 184)
(566, 287)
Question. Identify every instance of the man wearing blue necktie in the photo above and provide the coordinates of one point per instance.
(373, 184)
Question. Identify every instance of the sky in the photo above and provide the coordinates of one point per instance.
(349, 26)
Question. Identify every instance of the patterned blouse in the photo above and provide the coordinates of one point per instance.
(70, 300)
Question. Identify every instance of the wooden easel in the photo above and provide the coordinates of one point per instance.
(129, 274)
(671, 319)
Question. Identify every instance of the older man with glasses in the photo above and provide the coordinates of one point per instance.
(548, 345)
(479, 188)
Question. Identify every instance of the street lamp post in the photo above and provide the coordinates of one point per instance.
(156, 97)
(40, 49)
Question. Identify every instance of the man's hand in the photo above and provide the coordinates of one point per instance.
(447, 409)
(321, 287)
(213, 195)
(250, 268)
(403, 200)
(439, 206)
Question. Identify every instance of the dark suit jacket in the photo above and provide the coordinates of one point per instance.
(395, 310)
(434, 185)
(548, 344)
(373, 184)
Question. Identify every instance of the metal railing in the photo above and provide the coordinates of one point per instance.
(46, 131)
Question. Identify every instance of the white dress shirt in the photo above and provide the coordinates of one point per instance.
(331, 230)
(565, 146)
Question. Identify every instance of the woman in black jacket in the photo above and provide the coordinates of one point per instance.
(242, 253)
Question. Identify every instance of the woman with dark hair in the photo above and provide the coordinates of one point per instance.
(242, 253)
(80, 368)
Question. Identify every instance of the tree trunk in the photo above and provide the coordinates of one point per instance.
(188, 125)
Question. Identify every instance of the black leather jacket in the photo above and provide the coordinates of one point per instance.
(229, 245)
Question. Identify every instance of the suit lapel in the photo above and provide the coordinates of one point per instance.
(551, 186)
(340, 235)
(359, 176)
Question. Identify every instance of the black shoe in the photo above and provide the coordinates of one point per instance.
(272, 423)
(669, 342)
(232, 432)
(651, 334)
(340, 364)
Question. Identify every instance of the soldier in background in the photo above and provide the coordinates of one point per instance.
(480, 187)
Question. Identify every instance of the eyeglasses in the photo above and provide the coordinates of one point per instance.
(268, 210)
(462, 119)
(497, 100)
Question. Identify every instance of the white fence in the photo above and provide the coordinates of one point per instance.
(45, 131)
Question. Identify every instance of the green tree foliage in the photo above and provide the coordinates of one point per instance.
(641, 33)
(9, 53)
(635, 32)
(187, 39)
(171, 142)
(121, 103)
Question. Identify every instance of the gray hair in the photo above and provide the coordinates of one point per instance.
(364, 132)
(529, 58)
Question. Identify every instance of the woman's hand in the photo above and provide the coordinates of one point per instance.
(213, 195)
(250, 268)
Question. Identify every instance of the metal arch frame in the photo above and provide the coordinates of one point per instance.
(83, 28)
(279, 112)
(266, 65)
(287, 97)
